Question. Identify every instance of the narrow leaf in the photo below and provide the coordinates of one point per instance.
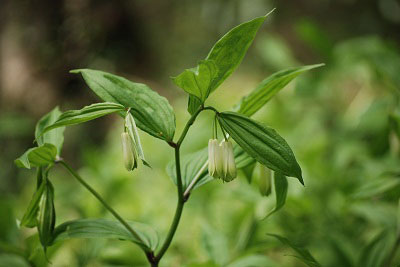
(269, 87)
(55, 136)
(30, 216)
(152, 112)
(46, 215)
(280, 189)
(102, 228)
(262, 143)
(377, 250)
(37, 156)
(304, 255)
(85, 114)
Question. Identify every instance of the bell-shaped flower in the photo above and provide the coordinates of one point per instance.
(264, 180)
(228, 162)
(213, 148)
(128, 151)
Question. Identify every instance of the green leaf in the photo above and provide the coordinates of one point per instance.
(85, 114)
(192, 165)
(152, 112)
(262, 143)
(7, 260)
(46, 215)
(376, 251)
(242, 159)
(102, 228)
(377, 186)
(193, 104)
(37, 156)
(30, 217)
(269, 87)
(253, 261)
(304, 255)
(280, 189)
(198, 81)
(56, 136)
(227, 53)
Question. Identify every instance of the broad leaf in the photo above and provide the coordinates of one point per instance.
(85, 114)
(198, 81)
(269, 87)
(56, 136)
(152, 112)
(242, 159)
(37, 156)
(192, 165)
(262, 143)
(30, 217)
(102, 228)
(228, 52)
(304, 255)
(280, 189)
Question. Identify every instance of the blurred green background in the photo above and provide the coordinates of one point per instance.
(342, 121)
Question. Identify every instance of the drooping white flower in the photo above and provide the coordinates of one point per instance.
(212, 164)
(221, 160)
(128, 151)
(228, 164)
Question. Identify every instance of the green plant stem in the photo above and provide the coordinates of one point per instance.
(181, 199)
(104, 203)
(178, 211)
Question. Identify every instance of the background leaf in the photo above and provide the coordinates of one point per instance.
(85, 114)
(375, 252)
(102, 228)
(269, 87)
(262, 143)
(37, 156)
(55, 136)
(152, 112)
(304, 255)
(280, 189)
(191, 165)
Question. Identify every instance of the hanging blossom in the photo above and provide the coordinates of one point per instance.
(221, 160)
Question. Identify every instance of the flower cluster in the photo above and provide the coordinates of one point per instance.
(221, 160)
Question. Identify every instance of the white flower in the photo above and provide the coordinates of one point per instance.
(229, 166)
(129, 153)
(221, 160)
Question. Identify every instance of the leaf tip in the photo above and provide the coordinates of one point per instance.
(76, 71)
(266, 15)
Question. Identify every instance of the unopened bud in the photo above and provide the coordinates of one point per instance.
(264, 180)
(129, 154)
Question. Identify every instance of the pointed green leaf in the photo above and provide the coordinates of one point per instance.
(102, 228)
(227, 54)
(55, 136)
(280, 189)
(269, 87)
(85, 114)
(30, 217)
(37, 156)
(262, 143)
(304, 255)
(198, 81)
(152, 112)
